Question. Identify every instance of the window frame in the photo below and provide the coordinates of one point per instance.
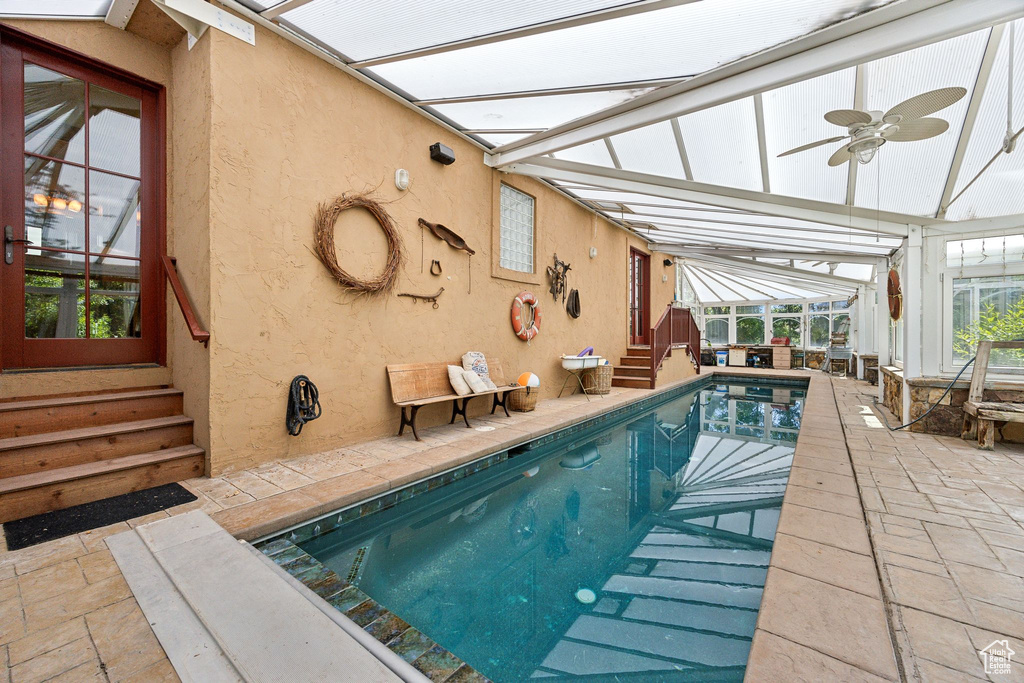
(497, 270)
(948, 274)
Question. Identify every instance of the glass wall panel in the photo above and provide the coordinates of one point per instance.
(716, 330)
(750, 330)
(988, 308)
(787, 327)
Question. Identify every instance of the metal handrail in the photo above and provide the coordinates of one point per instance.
(191, 321)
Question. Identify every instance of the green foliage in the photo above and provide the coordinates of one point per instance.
(995, 326)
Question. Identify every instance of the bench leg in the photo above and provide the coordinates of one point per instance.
(457, 410)
(504, 398)
(409, 420)
(970, 428)
(986, 435)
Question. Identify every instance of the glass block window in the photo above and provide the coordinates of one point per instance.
(516, 230)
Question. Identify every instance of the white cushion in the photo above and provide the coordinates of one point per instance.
(458, 381)
(475, 361)
(475, 381)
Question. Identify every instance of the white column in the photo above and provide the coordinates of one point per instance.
(882, 324)
(913, 287)
(862, 325)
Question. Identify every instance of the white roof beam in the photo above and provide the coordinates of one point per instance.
(708, 242)
(120, 13)
(980, 85)
(727, 197)
(770, 239)
(890, 29)
(281, 8)
(762, 148)
(754, 286)
(858, 103)
(994, 224)
(743, 241)
(698, 278)
(835, 256)
(624, 10)
(764, 228)
(677, 133)
(572, 90)
(612, 153)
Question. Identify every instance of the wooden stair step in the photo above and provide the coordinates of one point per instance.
(39, 416)
(631, 382)
(631, 371)
(638, 351)
(22, 455)
(637, 361)
(39, 492)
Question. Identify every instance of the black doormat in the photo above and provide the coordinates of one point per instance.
(22, 533)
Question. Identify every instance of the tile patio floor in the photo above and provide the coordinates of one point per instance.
(946, 525)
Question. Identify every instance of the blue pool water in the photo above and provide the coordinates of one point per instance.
(634, 551)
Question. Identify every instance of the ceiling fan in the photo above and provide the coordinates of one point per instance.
(869, 130)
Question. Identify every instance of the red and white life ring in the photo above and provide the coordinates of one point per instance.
(518, 320)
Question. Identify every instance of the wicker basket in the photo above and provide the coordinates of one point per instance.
(523, 401)
(598, 380)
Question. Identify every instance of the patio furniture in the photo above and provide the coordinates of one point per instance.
(980, 416)
(415, 385)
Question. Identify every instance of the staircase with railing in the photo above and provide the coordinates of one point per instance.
(675, 329)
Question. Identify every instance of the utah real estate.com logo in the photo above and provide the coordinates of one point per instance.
(997, 657)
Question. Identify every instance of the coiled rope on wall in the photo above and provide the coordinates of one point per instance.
(325, 220)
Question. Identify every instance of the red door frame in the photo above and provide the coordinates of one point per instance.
(639, 297)
(15, 350)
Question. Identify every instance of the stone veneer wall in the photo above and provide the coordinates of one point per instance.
(870, 367)
(814, 359)
(892, 395)
(948, 416)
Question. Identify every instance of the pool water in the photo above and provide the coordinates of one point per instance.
(638, 550)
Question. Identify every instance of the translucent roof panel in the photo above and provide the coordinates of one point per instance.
(997, 191)
(591, 153)
(55, 8)
(651, 149)
(530, 112)
(721, 144)
(793, 116)
(364, 30)
(909, 176)
(673, 42)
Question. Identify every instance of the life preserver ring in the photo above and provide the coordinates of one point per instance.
(518, 321)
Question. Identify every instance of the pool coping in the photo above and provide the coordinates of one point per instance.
(822, 612)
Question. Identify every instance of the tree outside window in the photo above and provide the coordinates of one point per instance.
(990, 308)
(787, 327)
(750, 330)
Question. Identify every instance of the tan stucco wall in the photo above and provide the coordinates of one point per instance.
(289, 131)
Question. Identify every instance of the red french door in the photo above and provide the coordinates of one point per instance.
(639, 297)
(81, 208)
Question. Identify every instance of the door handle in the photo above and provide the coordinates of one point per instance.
(9, 243)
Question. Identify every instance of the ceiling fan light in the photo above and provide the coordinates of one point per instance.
(864, 150)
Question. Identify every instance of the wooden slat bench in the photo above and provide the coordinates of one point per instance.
(415, 385)
(980, 416)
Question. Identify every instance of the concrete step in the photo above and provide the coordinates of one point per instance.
(223, 613)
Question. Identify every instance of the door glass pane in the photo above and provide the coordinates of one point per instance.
(54, 295)
(54, 114)
(114, 141)
(114, 216)
(113, 298)
(54, 198)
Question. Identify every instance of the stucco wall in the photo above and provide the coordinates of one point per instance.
(289, 131)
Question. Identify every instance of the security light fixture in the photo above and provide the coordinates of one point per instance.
(442, 153)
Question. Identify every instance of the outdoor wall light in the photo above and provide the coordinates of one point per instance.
(442, 154)
(667, 262)
(402, 179)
